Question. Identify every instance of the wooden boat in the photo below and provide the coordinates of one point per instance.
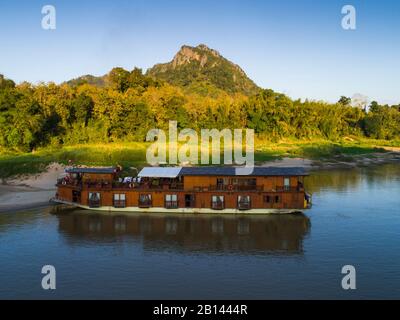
(186, 190)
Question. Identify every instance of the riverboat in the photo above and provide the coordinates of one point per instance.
(186, 190)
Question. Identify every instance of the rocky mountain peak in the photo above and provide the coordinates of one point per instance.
(188, 54)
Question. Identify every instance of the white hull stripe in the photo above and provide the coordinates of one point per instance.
(183, 210)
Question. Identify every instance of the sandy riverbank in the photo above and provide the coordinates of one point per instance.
(29, 191)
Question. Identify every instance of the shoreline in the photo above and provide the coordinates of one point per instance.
(15, 198)
(338, 162)
(357, 161)
(32, 191)
(29, 191)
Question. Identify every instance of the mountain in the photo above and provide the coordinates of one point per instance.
(89, 79)
(199, 68)
(195, 69)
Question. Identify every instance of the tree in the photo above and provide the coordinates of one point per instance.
(6, 83)
(345, 101)
(119, 79)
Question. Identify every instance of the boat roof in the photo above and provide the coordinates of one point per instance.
(160, 172)
(231, 171)
(103, 170)
(173, 172)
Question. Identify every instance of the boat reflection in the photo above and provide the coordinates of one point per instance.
(250, 234)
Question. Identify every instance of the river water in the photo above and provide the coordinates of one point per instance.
(355, 220)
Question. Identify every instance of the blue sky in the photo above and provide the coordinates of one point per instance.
(295, 47)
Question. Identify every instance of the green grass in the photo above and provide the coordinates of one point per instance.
(126, 154)
(134, 154)
(320, 149)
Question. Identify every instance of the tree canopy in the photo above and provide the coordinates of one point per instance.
(132, 103)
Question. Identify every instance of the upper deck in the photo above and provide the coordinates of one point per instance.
(187, 179)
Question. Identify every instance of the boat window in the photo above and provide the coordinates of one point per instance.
(119, 200)
(118, 196)
(218, 199)
(267, 199)
(171, 197)
(145, 197)
(217, 202)
(94, 199)
(244, 199)
(94, 196)
(243, 202)
(171, 201)
(286, 183)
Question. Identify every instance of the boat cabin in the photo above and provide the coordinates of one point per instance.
(186, 189)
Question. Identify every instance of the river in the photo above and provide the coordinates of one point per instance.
(355, 220)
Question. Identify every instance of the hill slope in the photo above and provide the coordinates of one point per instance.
(201, 68)
(89, 79)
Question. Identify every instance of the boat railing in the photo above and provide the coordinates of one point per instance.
(119, 203)
(217, 205)
(288, 188)
(230, 188)
(98, 185)
(171, 204)
(66, 182)
(144, 203)
(244, 205)
(172, 186)
(94, 203)
(146, 186)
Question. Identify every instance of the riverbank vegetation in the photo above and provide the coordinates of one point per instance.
(107, 124)
(50, 115)
(133, 154)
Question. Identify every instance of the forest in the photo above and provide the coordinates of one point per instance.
(131, 103)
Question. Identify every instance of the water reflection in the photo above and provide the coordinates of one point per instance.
(251, 234)
(353, 178)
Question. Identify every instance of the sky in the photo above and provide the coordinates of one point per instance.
(291, 46)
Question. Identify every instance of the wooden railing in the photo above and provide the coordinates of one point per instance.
(144, 203)
(217, 205)
(232, 187)
(94, 203)
(244, 205)
(120, 185)
(74, 184)
(171, 204)
(288, 188)
(98, 185)
(119, 203)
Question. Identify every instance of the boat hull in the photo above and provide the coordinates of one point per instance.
(263, 211)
